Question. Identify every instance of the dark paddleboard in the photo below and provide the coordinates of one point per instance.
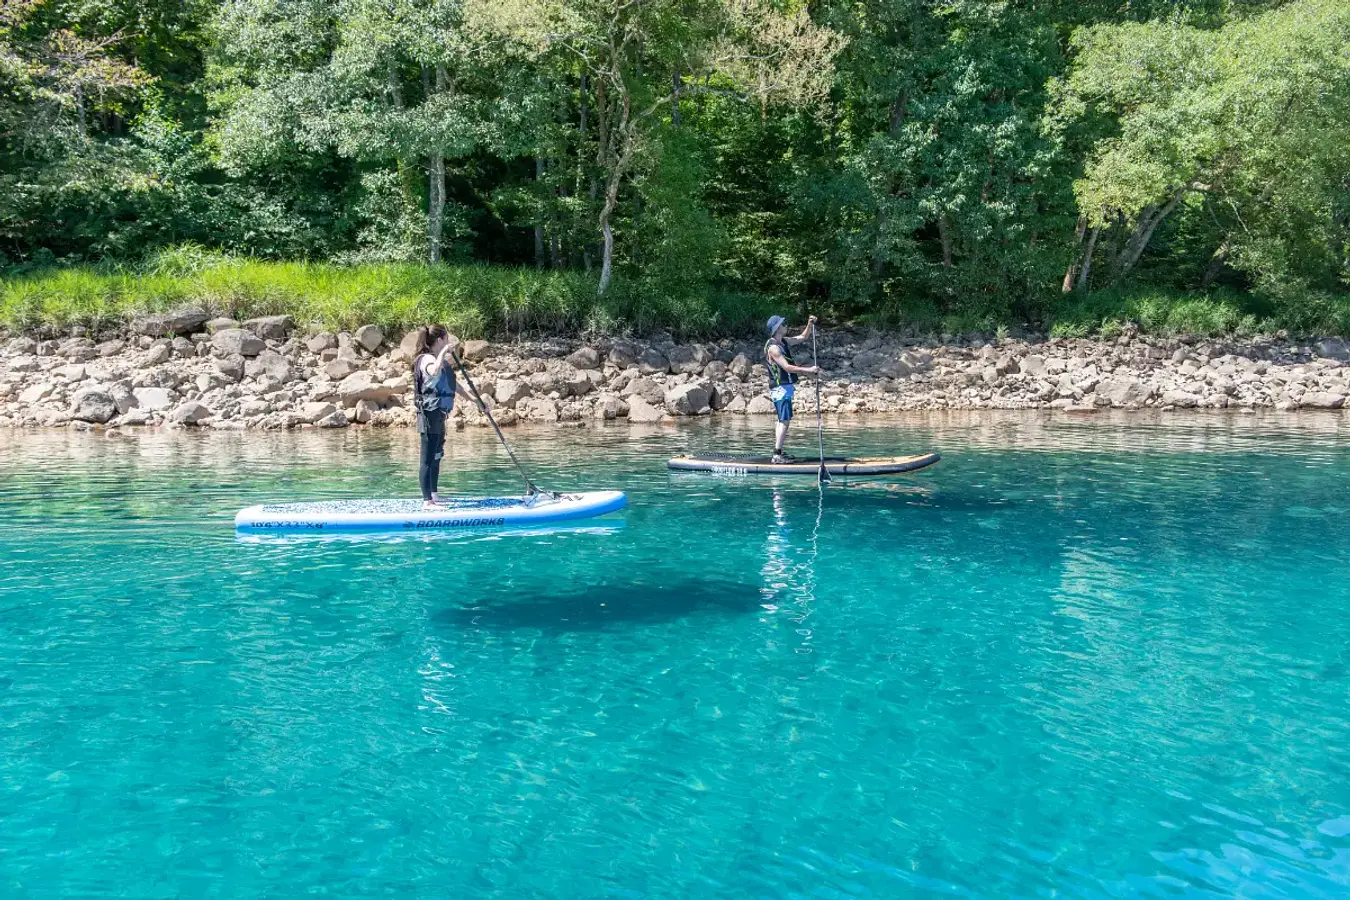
(730, 464)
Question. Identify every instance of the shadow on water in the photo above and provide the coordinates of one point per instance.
(600, 606)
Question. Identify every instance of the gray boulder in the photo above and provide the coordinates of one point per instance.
(92, 405)
(324, 340)
(363, 386)
(340, 368)
(689, 399)
(1333, 348)
(271, 328)
(539, 409)
(641, 411)
(237, 342)
(220, 324)
(122, 398)
(270, 363)
(584, 358)
(1322, 400)
(610, 407)
(153, 398)
(366, 411)
(759, 405)
(508, 392)
(370, 337)
(689, 359)
(184, 321)
(231, 367)
(475, 351)
(1032, 365)
(336, 419)
(36, 393)
(190, 413)
(575, 382)
(1180, 399)
(873, 362)
(715, 370)
(158, 354)
(653, 362)
(646, 389)
(624, 354)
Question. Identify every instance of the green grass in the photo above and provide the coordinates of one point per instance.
(473, 300)
(488, 301)
(1213, 314)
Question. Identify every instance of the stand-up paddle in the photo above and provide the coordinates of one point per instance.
(531, 490)
(820, 423)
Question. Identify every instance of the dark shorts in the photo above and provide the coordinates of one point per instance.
(782, 401)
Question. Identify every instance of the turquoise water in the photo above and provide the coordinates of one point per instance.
(1078, 658)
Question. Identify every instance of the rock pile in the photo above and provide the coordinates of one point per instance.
(188, 369)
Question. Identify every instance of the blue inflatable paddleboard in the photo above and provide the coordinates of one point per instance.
(411, 515)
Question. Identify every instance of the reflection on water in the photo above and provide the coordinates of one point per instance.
(1096, 657)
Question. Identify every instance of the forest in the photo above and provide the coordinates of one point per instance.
(688, 164)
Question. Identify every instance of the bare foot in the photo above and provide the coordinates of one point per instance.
(432, 504)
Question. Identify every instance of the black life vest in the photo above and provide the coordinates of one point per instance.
(432, 397)
(778, 376)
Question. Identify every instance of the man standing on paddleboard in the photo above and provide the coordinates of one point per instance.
(783, 377)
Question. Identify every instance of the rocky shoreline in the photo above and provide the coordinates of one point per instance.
(190, 370)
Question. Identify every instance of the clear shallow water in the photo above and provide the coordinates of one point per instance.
(1082, 659)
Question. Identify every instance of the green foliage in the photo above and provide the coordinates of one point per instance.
(948, 167)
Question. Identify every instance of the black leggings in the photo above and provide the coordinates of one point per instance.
(429, 465)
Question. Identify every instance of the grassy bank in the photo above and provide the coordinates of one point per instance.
(474, 300)
(486, 301)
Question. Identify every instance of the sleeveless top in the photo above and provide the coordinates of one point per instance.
(778, 376)
(432, 399)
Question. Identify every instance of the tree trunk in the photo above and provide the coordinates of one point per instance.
(607, 257)
(79, 111)
(1079, 233)
(1145, 232)
(1086, 270)
(896, 122)
(435, 206)
(539, 225)
(624, 135)
(944, 233)
(675, 104)
(585, 108)
(1216, 264)
(436, 176)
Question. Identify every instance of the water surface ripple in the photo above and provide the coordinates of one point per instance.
(1087, 658)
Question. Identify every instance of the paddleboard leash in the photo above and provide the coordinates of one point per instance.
(531, 489)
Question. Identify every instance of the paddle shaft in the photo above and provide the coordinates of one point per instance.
(495, 427)
(820, 421)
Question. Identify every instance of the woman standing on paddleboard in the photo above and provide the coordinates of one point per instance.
(434, 390)
(783, 377)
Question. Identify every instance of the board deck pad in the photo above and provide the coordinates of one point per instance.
(453, 513)
(735, 464)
